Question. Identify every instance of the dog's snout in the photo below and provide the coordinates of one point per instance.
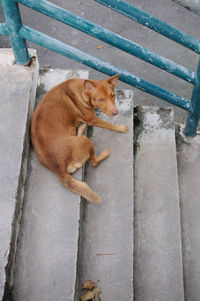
(115, 112)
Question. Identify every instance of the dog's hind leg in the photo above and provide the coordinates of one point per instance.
(79, 187)
(95, 160)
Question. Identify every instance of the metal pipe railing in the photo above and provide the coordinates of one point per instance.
(19, 33)
(153, 23)
(111, 38)
(193, 117)
(14, 24)
(174, 34)
(95, 63)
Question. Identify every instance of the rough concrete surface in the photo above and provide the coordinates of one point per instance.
(193, 5)
(158, 256)
(48, 241)
(17, 96)
(107, 227)
(189, 183)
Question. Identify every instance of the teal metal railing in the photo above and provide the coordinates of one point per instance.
(19, 33)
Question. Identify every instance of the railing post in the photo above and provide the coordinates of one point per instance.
(193, 117)
(14, 24)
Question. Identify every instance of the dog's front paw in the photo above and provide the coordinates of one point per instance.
(105, 153)
(123, 128)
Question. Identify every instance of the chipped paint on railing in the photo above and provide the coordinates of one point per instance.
(3, 29)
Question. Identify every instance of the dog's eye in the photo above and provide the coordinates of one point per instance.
(101, 100)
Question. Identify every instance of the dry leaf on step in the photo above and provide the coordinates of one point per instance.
(88, 284)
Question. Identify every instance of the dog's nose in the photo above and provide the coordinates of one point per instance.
(115, 112)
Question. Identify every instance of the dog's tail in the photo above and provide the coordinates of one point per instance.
(79, 187)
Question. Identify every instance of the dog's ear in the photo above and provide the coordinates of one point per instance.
(113, 80)
(89, 86)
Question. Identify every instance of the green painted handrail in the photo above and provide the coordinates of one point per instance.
(19, 33)
(153, 23)
(111, 38)
(193, 117)
(4, 29)
(13, 25)
(95, 63)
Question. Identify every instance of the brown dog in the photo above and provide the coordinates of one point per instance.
(56, 119)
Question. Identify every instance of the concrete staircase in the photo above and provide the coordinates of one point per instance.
(141, 243)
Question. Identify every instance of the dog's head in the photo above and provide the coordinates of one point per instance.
(102, 94)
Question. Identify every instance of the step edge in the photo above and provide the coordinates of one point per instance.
(15, 226)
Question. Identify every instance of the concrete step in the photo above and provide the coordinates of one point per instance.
(48, 242)
(106, 239)
(158, 254)
(188, 154)
(17, 97)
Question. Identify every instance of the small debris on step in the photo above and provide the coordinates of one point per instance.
(88, 284)
(107, 253)
(93, 292)
(31, 62)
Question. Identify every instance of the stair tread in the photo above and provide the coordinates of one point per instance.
(106, 250)
(17, 97)
(48, 243)
(188, 155)
(158, 257)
